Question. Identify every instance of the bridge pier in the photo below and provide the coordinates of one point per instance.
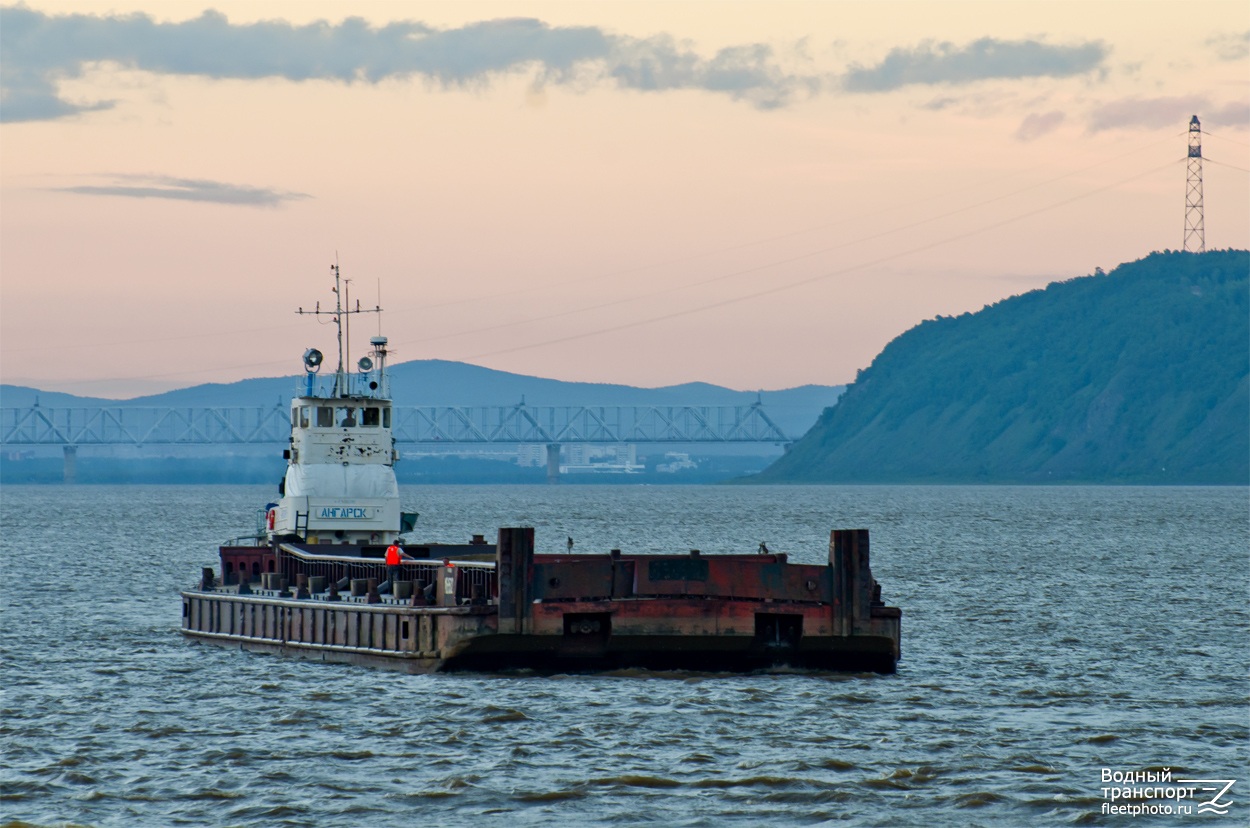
(69, 471)
(553, 462)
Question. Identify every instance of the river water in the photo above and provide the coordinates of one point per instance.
(1048, 633)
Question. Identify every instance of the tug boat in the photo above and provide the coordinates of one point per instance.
(313, 582)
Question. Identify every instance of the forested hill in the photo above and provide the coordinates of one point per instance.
(1134, 376)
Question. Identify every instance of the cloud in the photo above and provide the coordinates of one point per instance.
(1038, 124)
(984, 59)
(187, 189)
(1235, 114)
(743, 72)
(1228, 46)
(1148, 113)
(938, 104)
(1156, 113)
(40, 50)
(28, 96)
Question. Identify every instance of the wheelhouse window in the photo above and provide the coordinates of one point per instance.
(346, 417)
(325, 416)
(386, 418)
(370, 417)
(304, 411)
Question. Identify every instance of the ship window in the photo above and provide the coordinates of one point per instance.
(303, 416)
(325, 416)
(294, 417)
(369, 417)
(347, 417)
(386, 418)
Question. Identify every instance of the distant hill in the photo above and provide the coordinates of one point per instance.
(440, 382)
(21, 396)
(1135, 376)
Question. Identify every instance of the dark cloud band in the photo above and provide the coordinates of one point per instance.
(1155, 113)
(40, 49)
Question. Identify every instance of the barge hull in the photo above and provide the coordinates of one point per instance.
(379, 659)
(565, 613)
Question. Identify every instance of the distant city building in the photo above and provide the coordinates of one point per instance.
(585, 458)
(531, 454)
(676, 461)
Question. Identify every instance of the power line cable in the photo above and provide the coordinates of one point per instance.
(711, 305)
(756, 268)
(821, 277)
(96, 345)
(700, 283)
(180, 373)
(1224, 138)
(757, 242)
(1225, 164)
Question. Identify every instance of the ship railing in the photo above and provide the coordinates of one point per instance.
(475, 581)
(336, 568)
(322, 386)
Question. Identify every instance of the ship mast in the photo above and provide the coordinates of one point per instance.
(341, 388)
(340, 379)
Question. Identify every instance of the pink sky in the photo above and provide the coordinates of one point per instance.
(759, 195)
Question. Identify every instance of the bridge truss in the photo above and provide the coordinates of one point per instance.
(428, 425)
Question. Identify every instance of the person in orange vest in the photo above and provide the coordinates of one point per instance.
(393, 556)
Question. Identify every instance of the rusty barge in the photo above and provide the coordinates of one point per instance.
(315, 580)
(558, 612)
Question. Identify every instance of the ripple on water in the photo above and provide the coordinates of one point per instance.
(978, 799)
(636, 781)
(551, 796)
(211, 794)
(495, 715)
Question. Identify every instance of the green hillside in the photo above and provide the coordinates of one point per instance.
(1134, 376)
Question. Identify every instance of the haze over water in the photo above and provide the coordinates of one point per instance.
(1048, 633)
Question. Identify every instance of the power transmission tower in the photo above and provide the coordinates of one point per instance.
(1195, 235)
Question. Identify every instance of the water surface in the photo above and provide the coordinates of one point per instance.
(1047, 633)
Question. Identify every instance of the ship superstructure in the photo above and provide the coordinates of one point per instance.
(339, 486)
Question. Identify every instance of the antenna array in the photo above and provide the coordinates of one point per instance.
(341, 317)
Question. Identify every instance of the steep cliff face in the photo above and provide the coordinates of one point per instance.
(1135, 376)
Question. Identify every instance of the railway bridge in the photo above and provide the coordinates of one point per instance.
(552, 426)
